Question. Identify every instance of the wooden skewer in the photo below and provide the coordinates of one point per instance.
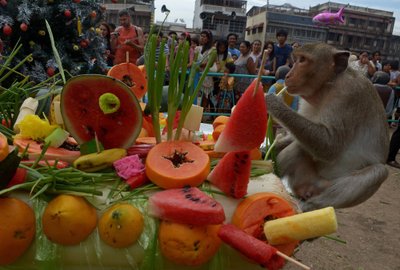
(282, 91)
(290, 259)
(97, 143)
(260, 71)
(127, 57)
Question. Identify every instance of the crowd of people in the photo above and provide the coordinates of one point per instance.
(219, 93)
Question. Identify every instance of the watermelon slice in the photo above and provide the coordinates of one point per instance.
(188, 205)
(247, 125)
(256, 250)
(232, 174)
(84, 118)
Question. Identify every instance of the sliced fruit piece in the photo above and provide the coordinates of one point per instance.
(32, 127)
(121, 225)
(188, 205)
(301, 226)
(109, 103)
(232, 173)
(18, 178)
(84, 119)
(132, 76)
(251, 214)
(248, 123)
(68, 220)
(256, 250)
(188, 244)
(175, 164)
(57, 137)
(17, 229)
(3, 147)
(34, 150)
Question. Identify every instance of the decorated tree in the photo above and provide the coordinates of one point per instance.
(74, 27)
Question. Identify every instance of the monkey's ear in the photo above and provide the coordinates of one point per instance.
(341, 59)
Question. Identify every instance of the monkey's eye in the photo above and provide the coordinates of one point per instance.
(301, 59)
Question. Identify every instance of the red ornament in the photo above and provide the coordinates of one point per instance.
(77, 1)
(7, 30)
(3, 3)
(67, 13)
(84, 43)
(93, 14)
(114, 1)
(50, 71)
(23, 27)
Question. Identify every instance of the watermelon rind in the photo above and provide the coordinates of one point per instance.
(84, 119)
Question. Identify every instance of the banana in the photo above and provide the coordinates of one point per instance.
(55, 116)
(97, 161)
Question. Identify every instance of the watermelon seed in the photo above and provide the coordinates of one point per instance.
(186, 188)
(188, 196)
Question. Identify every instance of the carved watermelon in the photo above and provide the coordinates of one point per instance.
(247, 126)
(188, 205)
(84, 118)
(232, 174)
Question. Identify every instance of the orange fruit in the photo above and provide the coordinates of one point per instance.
(17, 229)
(217, 131)
(121, 225)
(68, 220)
(3, 147)
(188, 244)
(220, 120)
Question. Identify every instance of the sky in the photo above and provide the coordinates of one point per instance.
(184, 9)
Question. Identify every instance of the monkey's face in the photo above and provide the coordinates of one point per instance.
(300, 74)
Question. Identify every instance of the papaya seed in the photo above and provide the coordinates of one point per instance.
(109, 103)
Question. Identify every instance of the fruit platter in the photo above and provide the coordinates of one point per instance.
(100, 180)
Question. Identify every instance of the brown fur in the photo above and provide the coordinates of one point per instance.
(339, 139)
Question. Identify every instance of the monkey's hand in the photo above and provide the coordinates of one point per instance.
(274, 103)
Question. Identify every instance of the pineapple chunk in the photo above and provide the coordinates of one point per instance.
(301, 226)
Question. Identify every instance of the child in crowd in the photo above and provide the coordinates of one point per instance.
(225, 96)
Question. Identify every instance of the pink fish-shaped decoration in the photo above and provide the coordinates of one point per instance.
(326, 18)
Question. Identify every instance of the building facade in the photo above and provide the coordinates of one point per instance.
(220, 17)
(264, 22)
(364, 29)
(142, 10)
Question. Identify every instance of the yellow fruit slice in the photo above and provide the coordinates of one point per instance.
(301, 226)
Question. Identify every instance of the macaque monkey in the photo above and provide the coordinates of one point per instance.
(338, 141)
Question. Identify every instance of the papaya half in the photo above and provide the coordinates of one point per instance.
(132, 76)
(175, 164)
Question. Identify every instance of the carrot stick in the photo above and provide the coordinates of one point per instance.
(290, 259)
(260, 71)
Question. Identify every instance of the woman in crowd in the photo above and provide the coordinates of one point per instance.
(256, 51)
(206, 43)
(363, 65)
(106, 34)
(243, 65)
